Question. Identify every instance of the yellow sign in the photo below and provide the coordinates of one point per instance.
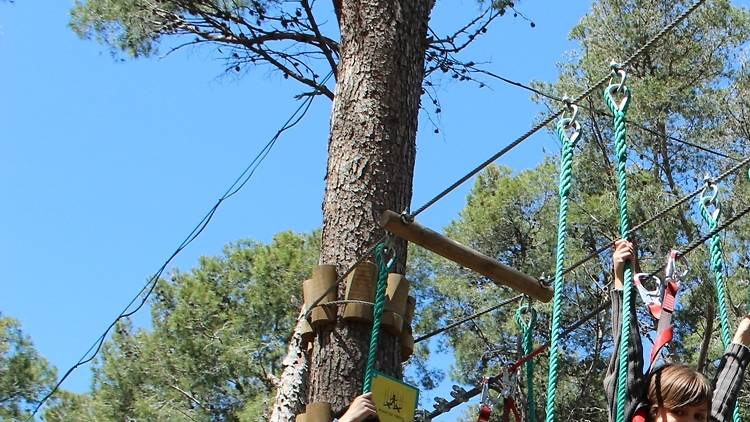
(395, 401)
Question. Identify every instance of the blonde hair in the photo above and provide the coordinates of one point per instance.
(674, 386)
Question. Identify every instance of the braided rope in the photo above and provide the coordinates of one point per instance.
(621, 150)
(566, 179)
(717, 265)
(527, 333)
(377, 314)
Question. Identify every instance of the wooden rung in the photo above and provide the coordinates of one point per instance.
(500, 274)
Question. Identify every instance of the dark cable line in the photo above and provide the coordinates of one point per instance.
(658, 215)
(465, 319)
(554, 115)
(150, 285)
(653, 218)
(605, 114)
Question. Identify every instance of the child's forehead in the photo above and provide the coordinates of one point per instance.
(695, 407)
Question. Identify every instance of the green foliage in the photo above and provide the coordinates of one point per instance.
(219, 333)
(692, 86)
(25, 376)
(137, 26)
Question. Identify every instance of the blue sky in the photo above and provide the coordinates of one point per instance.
(105, 166)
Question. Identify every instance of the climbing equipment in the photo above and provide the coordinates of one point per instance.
(619, 111)
(708, 201)
(667, 305)
(566, 178)
(485, 407)
(527, 338)
(384, 268)
(508, 382)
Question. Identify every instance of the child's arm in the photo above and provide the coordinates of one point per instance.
(731, 372)
(624, 252)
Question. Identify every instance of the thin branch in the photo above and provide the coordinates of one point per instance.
(316, 30)
(189, 396)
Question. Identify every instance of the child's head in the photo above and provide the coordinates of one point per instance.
(678, 393)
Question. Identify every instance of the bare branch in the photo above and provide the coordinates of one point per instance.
(316, 29)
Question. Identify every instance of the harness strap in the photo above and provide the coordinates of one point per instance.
(664, 332)
(509, 406)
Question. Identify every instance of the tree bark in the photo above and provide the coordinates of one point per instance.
(370, 167)
(291, 388)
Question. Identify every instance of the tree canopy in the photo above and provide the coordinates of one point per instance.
(26, 375)
(219, 333)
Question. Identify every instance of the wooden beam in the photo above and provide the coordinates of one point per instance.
(500, 274)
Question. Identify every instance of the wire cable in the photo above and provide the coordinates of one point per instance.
(658, 215)
(547, 120)
(150, 285)
(466, 319)
(604, 114)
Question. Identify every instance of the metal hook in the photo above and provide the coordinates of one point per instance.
(617, 69)
(390, 250)
(406, 217)
(486, 391)
(710, 199)
(649, 297)
(572, 108)
(670, 271)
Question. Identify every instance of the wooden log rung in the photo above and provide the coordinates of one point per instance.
(499, 273)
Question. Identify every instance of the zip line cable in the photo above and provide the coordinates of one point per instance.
(547, 120)
(465, 319)
(594, 254)
(681, 253)
(598, 252)
(658, 215)
(604, 114)
(150, 285)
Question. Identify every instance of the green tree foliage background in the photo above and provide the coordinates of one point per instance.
(219, 333)
(692, 86)
(24, 374)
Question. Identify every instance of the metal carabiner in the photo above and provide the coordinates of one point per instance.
(569, 129)
(652, 298)
(710, 199)
(510, 380)
(486, 392)
(617, 69)
(670, 270)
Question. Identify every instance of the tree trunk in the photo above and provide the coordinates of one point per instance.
(291, 386)
(371, 154)
(370, 166)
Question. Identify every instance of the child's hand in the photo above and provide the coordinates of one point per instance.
(742, 335)
(624, 252)
(361, 408)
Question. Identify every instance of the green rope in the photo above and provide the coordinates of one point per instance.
(377, 314)
(717, 265)
(566, 178)
(527, 333)
(621, 150)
